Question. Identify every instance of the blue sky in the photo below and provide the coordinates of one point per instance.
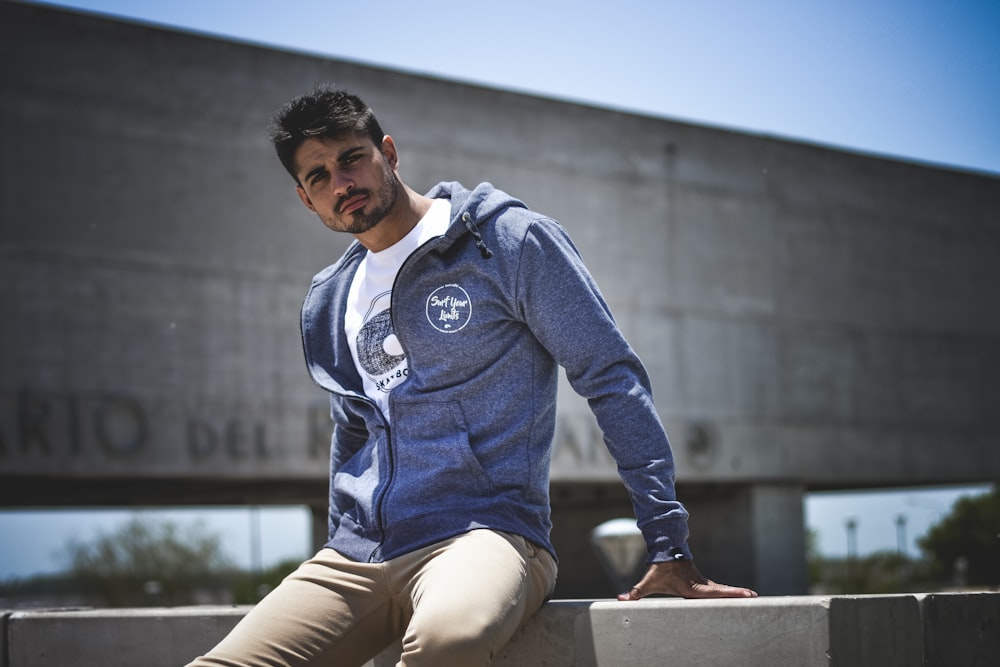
(915, 79)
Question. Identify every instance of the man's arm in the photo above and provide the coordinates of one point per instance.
(349, 435)
(566, 312)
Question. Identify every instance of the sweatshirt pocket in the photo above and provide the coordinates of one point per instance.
(354, 485)
(434, 467)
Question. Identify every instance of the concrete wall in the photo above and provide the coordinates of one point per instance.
(811, 318)
(949, 630)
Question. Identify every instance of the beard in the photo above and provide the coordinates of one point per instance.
(381, 201)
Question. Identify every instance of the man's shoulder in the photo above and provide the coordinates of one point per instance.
(517, 222)
(351, 257)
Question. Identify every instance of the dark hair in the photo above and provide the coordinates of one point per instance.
(323, 112)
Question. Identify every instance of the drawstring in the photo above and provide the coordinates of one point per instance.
(480, 243)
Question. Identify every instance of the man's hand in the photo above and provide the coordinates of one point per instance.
(682, 578)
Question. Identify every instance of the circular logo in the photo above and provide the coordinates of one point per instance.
(449, 308)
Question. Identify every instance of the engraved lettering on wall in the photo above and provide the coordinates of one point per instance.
(50, 425)
(228, 438)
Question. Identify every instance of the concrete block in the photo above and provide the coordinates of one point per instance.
(109, 637)
(750, 633)
(961, 629)
(875, 631)
(4, 615)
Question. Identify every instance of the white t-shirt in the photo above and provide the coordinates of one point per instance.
(377, 353)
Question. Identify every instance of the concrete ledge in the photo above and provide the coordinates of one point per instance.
(110, 637)
(858, 631)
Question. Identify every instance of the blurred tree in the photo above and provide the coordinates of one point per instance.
(964, 547)
(882, 572)
(150, 563)
(249, 588)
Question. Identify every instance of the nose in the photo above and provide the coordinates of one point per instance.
(342, 183)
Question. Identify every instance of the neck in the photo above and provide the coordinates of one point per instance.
(409, 208)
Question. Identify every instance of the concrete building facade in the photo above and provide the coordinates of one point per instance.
(811, 318)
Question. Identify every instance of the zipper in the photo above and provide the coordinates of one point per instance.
(379, 509)
(354, 396)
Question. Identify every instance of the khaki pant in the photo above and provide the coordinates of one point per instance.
(456, 602)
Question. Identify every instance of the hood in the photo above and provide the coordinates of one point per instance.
(470, 208)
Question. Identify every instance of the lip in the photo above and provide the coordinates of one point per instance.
(354, 203)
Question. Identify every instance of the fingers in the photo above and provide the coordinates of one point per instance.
(633, 594)
(682, 578)
(714, 590)
(695, 592)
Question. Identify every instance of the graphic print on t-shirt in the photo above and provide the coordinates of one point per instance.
(379, 352)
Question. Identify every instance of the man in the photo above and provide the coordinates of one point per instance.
(438, 335)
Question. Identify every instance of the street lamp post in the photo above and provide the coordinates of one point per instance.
(852, 547)
(901, 534)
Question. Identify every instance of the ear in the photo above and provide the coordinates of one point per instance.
(389, 151)
(305, 198)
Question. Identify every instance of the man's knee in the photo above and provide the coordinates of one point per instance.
(461, 639)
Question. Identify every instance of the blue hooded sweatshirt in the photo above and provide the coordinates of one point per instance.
(485, 314)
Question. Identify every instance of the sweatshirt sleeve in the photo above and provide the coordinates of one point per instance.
(349, 435)
(564, 309)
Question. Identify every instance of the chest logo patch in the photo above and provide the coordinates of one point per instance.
(449, 308)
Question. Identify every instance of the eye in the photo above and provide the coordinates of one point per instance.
(352, 158)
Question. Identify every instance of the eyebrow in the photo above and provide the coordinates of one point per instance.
(349, 152)
(315, 171)
(343, 155)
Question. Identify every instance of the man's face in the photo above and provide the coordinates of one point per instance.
(348, 182)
